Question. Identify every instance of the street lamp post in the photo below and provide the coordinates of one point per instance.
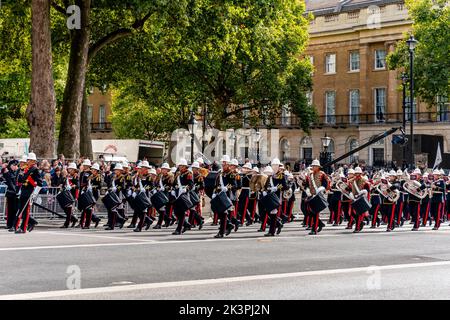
(412, 43)
(257, 139)
(192, 126)
(404, 84)
(326, 157)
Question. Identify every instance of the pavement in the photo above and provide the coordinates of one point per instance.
(52, 263)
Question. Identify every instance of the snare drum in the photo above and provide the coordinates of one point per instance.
(361, 205)
(318, 203)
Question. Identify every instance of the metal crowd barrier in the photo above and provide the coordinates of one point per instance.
(47, 198)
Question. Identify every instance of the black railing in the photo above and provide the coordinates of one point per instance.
(347, 120)
(101, 127)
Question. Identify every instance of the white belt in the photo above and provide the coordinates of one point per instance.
(245, 188)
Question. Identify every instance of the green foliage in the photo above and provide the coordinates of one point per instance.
(134, 119)
(431, 28)
(232, 56)
(15, 127)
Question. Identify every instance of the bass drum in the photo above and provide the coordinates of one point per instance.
(210, 183)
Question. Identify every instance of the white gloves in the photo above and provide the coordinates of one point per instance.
(113, 189)
(182, 190)
(273, 189)
(173, 193)
(89, 188)
(224, 189)
(161, 189)
(264, 193)
(213, 196)
(129, 193)
(134, 194)
(68, 188)
(320, 189)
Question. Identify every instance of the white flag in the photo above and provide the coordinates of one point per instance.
(438, 160)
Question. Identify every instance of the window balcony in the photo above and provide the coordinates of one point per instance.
(101, 127)
(346, 120)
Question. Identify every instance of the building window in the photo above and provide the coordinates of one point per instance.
(442, 108)
(380, 59)
(330, 148)
(378, 157)
(307, 155)
(330, 101)
(352, 146)
(380, 104)
(285, 116)
(102, 116)
(330, 63)
(306, 150)
(284, 149)
(311, 60)
(354, 61)
(90, 106)
(354, 106)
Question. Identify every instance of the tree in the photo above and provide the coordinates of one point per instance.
(431, 28)
(103, 23)
(132, 118)
(41, 110)
(233, 56)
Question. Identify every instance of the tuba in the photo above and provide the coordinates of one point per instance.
(342, 187)
(412, 187)
(392, 196)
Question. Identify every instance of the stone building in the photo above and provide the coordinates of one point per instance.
(356, 96)
(99, 110)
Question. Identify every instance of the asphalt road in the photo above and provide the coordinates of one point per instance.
(50, 263)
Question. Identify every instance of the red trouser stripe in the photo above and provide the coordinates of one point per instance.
(417, 223)
(400, 213)
(27, 218)
(265, 221)
(392, 216)
(426, 214)
(317, 221)
(245, 210)
(375, 215)
(338, 215)
(254, 209)
(438, 220)
(291, 207)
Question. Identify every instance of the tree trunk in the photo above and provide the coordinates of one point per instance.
(85, 130)
(69, 135)
(41, 110)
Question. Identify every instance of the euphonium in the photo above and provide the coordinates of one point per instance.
(412, 187)
(392, 196)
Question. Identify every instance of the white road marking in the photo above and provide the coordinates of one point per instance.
(175, 241)
(94, 236)
(178, 284)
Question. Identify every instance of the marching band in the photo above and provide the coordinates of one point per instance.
(239, 196)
